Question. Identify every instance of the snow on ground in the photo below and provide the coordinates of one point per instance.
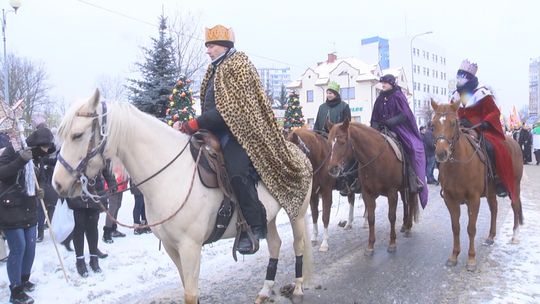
(136, 266)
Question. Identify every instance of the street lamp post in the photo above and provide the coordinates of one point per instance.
(15, 4)
(412, 67)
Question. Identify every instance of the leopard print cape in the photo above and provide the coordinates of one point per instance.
(242, 102)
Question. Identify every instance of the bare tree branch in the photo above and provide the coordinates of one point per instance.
(112, 88)
(188, 44)
(28, 81)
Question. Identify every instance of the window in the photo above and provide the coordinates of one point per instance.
(347, 93)
(424, 87)
(428, 88)
(309, 95)
(427, 70)
(311, 122)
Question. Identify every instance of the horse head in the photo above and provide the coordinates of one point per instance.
(341, 152)
(445, 129)
(83, 133)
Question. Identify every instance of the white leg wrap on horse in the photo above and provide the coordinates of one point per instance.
(298, 288)
(266, 291)
(351, 214)
(324, 244)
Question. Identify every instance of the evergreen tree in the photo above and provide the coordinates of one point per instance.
(180, 102)
(150, 94)
(293, 114)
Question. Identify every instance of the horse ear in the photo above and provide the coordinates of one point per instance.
(434, 104)
(293, 137)
(454, 106)
(328, 124)
(346, 123)
(93, 102)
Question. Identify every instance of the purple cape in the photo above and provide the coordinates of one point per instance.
(390, 104)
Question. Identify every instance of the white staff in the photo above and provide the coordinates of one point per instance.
(32, 183)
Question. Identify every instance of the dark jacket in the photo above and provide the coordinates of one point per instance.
(17, 209)
(429, 143)
(45, 171)
(98, 188)
(210, 118)
(336, 111)
(134, 190)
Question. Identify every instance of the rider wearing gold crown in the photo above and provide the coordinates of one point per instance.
(478, 109)
(235, 109)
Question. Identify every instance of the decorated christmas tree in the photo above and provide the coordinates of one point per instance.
(293, 114)
(180, 103)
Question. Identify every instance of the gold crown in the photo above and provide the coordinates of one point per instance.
(218, 33)
(469, 67)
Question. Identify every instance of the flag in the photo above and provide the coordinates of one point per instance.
(514, 120)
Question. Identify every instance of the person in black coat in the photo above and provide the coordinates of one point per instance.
(429, 148)
(18, 211)
(86, 216)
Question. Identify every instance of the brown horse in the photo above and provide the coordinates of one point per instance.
(463, 178)
(317, 149)
(380, 173)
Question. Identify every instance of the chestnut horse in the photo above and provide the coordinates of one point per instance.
(380, 173)
(463, 178)
(317, 149)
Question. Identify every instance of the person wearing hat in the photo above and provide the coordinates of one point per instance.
(18, 211)
(391, 111)
(333, 110)
(479, 110)
(236, 110)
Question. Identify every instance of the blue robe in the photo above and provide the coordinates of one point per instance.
(390, 104)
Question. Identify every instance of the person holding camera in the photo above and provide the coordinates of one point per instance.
(18, 211)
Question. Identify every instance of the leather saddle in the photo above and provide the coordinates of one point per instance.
(412, 182)
(213, 174)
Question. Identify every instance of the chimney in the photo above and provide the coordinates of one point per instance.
(331, 58)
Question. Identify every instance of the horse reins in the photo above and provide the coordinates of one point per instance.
(455, 139)
(79, 173)
(374, 158)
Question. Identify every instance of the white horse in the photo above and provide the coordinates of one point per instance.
(94, 131)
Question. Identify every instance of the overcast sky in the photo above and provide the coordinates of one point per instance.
(78, 42)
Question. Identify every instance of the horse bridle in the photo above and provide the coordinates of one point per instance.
(93, 148)
(455, 138)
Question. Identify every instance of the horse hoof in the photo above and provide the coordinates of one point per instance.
(287, 290)
(297, 299)
(323, 248)
(369, 252)
(314, 242)
(342, 223)
(488, 242)
(261, 299)
(471, 267)
(402, 229)
(451, 263)
(514, 241)
(391, 248)
(407, 233)
(348, 227)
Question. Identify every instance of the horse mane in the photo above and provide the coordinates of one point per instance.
(119, 128)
